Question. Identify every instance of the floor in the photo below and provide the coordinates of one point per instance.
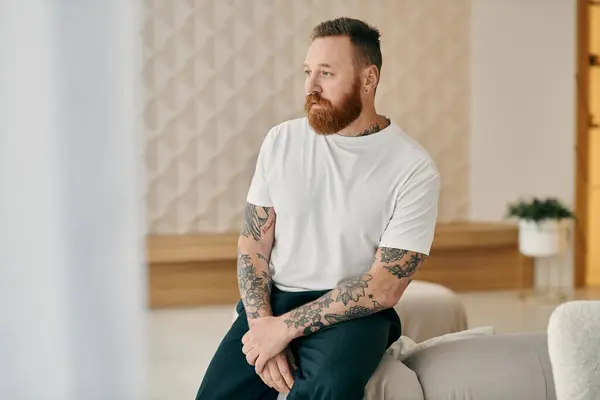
(182, 341)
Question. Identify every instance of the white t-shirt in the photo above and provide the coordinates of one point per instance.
(339, 198)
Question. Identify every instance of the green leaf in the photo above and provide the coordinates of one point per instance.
(537, 210)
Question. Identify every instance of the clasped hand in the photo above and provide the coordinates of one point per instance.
(266, 338)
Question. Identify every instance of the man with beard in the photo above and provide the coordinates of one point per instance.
(340, 214)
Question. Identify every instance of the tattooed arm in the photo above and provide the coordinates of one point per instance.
(376, 290)
(254, 251)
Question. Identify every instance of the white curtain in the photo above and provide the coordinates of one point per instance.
(72, 272)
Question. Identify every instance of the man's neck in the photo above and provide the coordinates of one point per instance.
(366, 124)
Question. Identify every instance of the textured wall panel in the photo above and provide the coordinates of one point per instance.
(219, 74)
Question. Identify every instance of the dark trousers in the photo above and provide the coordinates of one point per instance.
(334, 364)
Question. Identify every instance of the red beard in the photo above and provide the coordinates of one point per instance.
(329, 119)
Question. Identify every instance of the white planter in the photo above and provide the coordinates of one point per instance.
(544, 239)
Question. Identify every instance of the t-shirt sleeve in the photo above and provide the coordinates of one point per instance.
(415, 214)
(258, 193)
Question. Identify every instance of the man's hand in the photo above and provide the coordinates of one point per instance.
(266, 338)
(276, 373)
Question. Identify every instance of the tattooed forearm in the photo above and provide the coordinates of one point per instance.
(401, 263)
(255, 287)
(350, 300)
(353, 289)
(254, 252)
(352, 313)
(361, 296)
(310, 313)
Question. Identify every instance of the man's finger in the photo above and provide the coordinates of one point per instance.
(266, 378)
(245, 338)
(284, 369)
(251, 358)
(246, 349)
(259, 363)
(280, 384)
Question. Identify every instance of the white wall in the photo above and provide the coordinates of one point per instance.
(72, 278)
(523, 103)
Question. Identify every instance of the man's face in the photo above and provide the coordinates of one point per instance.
(332, 85)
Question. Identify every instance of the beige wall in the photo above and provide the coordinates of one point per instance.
(523, 105)
(218, 74)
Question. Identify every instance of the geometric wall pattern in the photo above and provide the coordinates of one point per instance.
(218, 74)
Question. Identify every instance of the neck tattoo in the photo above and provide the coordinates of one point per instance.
(376, 127)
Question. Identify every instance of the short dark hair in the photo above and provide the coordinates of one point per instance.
(364, 37)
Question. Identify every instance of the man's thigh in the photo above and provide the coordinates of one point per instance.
(229, 376)
(337, 362)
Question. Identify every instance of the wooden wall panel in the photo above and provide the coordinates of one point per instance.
(193, 283)
(201, 269)
(468, 269)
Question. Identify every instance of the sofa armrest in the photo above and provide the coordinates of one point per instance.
(574, 349)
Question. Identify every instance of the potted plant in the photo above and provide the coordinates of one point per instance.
(542, 231)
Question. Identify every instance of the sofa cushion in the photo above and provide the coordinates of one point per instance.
(498, 367)
(393, 380)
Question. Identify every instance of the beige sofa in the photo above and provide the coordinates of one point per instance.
(470, 365)
(562, 363)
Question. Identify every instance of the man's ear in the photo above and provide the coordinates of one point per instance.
(371, 78)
